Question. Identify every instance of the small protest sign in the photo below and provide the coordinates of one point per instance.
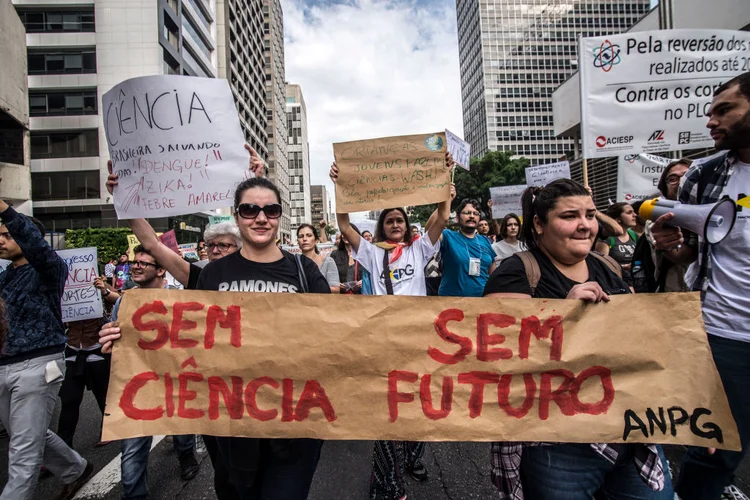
(452, 369)
(325, 249)
(81, 300)
(650, 91)
(506, 200)
(459, 149)
(175, 142)
(218, 219)
(541, 175)
(169, 239)
(132, 243)
(189, 250)
(638, 176)
(391, 172)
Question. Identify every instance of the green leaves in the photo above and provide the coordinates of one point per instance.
(110, 242)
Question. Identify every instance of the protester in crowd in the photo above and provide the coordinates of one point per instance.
(468, 257)
(202, 253)
(32, 365)
(721, 273)
(640, 224)
(110, 268)
(560, 227)
(621, 248)
(122, 270)
(307, 237)
(86, 367)
(367, 235)
(109, 294)
(351, 274)
(483, 228)
(396, 264)
(510, 229)
(660, 273)
(415, 231)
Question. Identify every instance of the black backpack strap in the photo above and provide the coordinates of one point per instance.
(531, 266)
(301, 274)
(387, 273)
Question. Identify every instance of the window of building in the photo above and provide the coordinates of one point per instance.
(49, 186)
(58, 21)
(62, 102)
(197, 37)
(68, 144)
(59, 62)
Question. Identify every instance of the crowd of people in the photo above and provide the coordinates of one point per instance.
(559, 247)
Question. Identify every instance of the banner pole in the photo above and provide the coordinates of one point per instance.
(585, 172)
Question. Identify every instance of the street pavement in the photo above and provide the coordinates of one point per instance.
(458, 471)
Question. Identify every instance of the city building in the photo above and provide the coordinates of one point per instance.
(514, 54)
(566, 100)
(15, 187)
(278, 159)
(299, 159)
(77, 50)
(240, 48)
(320, 205)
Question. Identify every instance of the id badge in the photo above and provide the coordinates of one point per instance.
(475, 266)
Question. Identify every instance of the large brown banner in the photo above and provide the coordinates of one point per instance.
(391, 172)
(637, 369)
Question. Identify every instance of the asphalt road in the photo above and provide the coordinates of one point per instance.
(458, 471)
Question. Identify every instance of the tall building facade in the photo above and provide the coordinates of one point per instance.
(14, 113)
(299, 159)
(240, 49)
(77, 51)
(278, 158)
(320, 205)
(514, 54)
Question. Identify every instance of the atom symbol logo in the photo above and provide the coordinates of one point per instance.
(607, 56)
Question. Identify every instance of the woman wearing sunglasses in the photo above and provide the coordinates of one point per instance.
(264, 468)
(396, 265)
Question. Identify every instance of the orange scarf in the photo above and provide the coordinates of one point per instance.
(398, 248)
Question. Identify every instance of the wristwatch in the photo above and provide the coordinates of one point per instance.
(107, 292)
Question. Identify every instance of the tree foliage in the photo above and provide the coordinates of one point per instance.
(110, 242)
(496, 168)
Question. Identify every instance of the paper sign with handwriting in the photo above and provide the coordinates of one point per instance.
(189, 250)
(541, 175)
(81, 300)
(452, 369)
(459, 149)
(506, 200)
(176, 143)
(391, 172)
(218, 219)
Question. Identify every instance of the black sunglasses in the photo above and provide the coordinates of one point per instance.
(251, 211)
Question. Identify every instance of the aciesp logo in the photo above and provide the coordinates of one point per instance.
(657, 135)
(602, 141)
(606, 56)
(434, 142)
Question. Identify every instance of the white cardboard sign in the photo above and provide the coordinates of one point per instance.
(459, 149)
(638, 176)
(81, 300)
(541, 175)
(649, 91)
(506, 200)
(176, 143)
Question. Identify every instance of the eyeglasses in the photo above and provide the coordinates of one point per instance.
(251, 211)
(222, 247)
(475, 214)
(143, 264)
(673, 179)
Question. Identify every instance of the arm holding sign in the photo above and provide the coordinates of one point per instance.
(345, 226)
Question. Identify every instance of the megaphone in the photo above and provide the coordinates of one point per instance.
(713, 221)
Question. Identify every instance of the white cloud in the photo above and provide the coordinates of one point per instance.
(372, 68)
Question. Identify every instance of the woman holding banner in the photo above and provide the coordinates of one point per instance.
(396, 264)
(307, 238)
(560, 227)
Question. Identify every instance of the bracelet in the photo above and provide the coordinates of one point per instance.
(108, 292)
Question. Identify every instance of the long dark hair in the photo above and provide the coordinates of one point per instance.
(615, 210)
(341, 257)
(255, 182)
(314, 232)
(538, 201)
(504, 225)
(380, 229)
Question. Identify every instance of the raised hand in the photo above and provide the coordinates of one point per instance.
(256, 164)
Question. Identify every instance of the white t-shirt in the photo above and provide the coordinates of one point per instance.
(504, 249)
(407, 273)
(726, 307)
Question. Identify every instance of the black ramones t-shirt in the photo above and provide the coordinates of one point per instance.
(234, 273)
(510, 277)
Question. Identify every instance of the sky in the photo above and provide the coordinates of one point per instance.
(372, 68)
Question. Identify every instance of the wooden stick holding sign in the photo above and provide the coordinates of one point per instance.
(451, 369)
